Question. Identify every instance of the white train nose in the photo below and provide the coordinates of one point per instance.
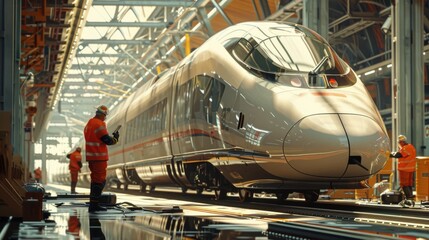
(336, 145)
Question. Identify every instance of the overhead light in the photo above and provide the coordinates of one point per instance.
(369, 72)
(387, 25)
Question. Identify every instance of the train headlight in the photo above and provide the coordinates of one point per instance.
(333, 83)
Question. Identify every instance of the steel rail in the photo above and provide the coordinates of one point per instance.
(377, 214)
(294, 230)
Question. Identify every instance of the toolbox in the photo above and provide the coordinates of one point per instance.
(391, 197)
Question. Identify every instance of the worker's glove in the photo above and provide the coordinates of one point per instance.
(395, 155)
(116, 135)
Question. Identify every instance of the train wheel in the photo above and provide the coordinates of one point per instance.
(245, 195)
(184, 189)
(199, 190)
(282, 196)
(110, 184)
(220, 194)
(142, 187)
(125, 186)
(311, 196)
(118, 185)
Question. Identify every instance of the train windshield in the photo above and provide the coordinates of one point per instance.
(279, 56)
(288, 54)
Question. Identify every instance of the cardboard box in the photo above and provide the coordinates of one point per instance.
(5, 121)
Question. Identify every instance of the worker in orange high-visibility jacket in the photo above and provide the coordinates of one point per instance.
(75, 165)
(38, 175)
(96, 140)
(406, 165)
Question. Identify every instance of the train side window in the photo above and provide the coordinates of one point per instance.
(149, 122)
(212, 99)
(134, 129)
(187, 95)
(141, 133)
(181, 111)
(199, 88)
(242, 49)
(127, 133)
(131, 130)
(163, 114)
(144, 127)
(206, 98)
(157, 119)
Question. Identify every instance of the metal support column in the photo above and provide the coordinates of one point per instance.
(265, 8)
(18, 101)
(10, 24)
(44, 146)
(316, 16)
(407, 75)
(7, 55)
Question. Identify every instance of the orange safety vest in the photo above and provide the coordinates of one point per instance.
(407, 162)
(94, 147)
(75, 157)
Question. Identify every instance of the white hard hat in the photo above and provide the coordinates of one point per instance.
(402, 138)
(103, 110)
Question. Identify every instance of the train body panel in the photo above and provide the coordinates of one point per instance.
(261, 106)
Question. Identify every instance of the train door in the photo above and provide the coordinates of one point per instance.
(205, 106)
(177, 114)
(180, 129)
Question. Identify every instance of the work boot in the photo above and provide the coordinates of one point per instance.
(411, 192)
(410, 196)
(94, 198)
(408, 192)
(73, 188)
(407, 203)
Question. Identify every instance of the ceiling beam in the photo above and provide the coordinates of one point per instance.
(352, 29)
(118, 55)
(116, 42)
(90, 76)
(163, 3)
(100, 66)
(148, 24)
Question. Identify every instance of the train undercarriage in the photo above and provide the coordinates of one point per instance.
(203, 176)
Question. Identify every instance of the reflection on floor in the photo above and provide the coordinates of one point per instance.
(69, 219)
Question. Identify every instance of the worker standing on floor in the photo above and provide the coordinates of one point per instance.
(38, 175)
(406, 165)
(96, 140)
(74, 166)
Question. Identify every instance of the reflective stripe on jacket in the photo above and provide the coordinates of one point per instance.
(407, 162)
(95, 149)
(75, 157)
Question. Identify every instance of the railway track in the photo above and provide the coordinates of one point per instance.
(415, 218)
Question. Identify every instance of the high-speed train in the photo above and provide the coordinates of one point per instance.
(259, 107)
